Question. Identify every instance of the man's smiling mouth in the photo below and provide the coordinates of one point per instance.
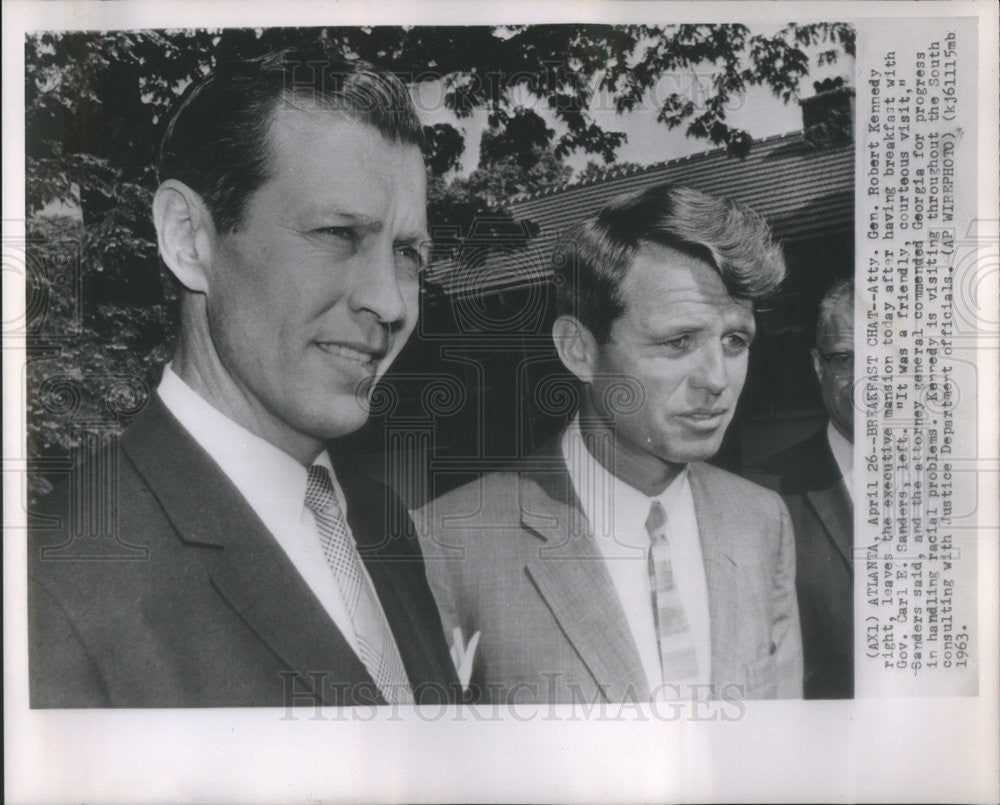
(365, 358)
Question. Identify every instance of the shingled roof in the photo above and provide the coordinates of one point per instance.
(802, 190)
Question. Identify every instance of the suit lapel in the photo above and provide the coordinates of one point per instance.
(571, 576)
(722, 569)
(253, 574)
(826, 493)
(832, 506)
(261, 584)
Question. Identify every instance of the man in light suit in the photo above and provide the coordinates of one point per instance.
(242, 566)
(614, 564)
(814, 479)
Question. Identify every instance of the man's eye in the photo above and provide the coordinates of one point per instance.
(344, 233)
(411, 257)
(737, 343)
(680, 342)
(839, 361)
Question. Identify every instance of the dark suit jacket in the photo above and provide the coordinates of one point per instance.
(807, 477)
(212, 612)
(513, 556)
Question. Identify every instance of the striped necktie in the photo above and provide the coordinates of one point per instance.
(678, 659)
(376, 646)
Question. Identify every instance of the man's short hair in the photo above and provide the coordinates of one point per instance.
(594, 255)
(840, 296)
(216, 140)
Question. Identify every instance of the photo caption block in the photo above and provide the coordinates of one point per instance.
(916, 379)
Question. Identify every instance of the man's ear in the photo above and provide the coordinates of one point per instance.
(817, 364)
(185, 233)
(576, 347)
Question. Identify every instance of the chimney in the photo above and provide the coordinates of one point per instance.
(828, 116)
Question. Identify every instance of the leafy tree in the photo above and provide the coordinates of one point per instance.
(444, 146)
(516, 159)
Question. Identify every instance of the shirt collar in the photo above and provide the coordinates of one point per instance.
(272, 481)
(614, 509)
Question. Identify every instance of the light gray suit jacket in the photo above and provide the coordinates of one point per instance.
(512, 556)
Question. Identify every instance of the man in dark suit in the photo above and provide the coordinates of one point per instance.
(614, 564)
(291, 210)
(814, 478)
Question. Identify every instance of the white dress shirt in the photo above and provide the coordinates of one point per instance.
(273, 484)
(843, 454)
(617, 515)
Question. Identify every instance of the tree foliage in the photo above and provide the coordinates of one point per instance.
(515, 159)
(95, 102)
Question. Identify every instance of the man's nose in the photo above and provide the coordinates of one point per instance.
(711, 372)
(376, 287)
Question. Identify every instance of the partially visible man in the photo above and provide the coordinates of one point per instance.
(814, 477)
(614, 564)
(291, 210)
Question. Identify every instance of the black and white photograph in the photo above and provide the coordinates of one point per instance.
(395, 386)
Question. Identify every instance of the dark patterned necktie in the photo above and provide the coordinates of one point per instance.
(678, 659)
(376, 646)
